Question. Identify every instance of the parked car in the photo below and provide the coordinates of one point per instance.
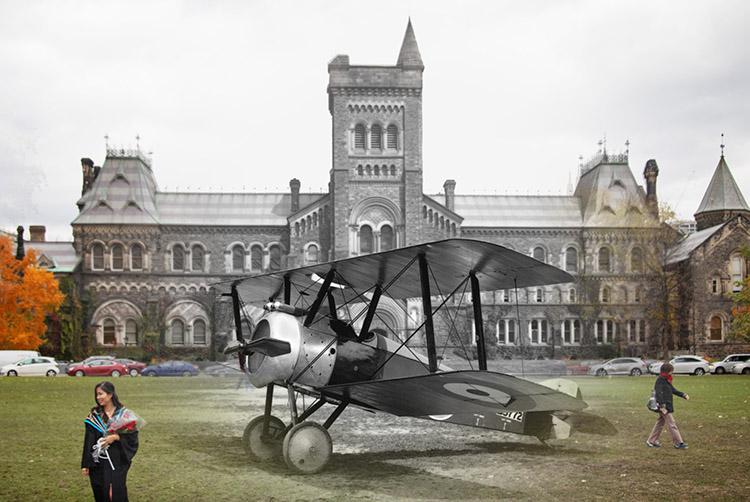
(98, 367)
(134, 367)
(742, 368)
(684, 364)
(170, 368)
(620, 366)
(31, 366)
(728, 364)
(13, 356)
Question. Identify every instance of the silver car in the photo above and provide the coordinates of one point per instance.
(620, 366)
(742, 368)
(728, 364)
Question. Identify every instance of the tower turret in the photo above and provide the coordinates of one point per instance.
(651, 172)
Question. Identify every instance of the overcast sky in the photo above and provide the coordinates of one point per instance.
(231, 96)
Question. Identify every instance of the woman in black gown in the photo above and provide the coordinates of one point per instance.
(108, 480)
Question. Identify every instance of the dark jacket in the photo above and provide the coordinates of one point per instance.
(664, 391)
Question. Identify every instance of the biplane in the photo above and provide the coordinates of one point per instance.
(306, 342)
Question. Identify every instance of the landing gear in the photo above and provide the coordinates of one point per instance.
(305, 446)
(264, 447)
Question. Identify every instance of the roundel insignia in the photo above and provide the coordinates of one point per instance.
(478, 393)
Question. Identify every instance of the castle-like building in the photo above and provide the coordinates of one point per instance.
(149, 257)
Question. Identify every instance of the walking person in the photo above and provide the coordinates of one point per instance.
(664, 390)
(109, 445)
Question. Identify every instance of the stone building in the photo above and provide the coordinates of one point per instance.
(150, 257)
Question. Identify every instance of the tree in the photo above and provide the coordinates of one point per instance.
(740, 330)
(28, 294)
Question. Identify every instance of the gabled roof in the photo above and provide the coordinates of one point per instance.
(408, 56)
(56, 256)
(722, 192)
(689, 243)
(518, 211)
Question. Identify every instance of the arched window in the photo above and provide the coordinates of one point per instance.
(360, 170)
(392, 134)
(624, 294)
(136, 257)
(605, 264)
(117, 257)
(274, 254)
(315, 219)
(198, 257)
(97, 256)
(539, 296)
(715, 330)
(386, 238)
(538, 331)
(365, 239)
(736, 271)
(377, 171)
(429, 217)
(238, 258)
(571, 332)
(539, 254)
(368, 169)
(571, 260)
(108, 330)
(296, 229)
(453, 230)
(256, 258)
(636, 260)
(131, 332)
(393, 170)
(178, 258)
(424, 212)
(303, 226)
(572, 295)
(637, 295)
(311, 254)
(606, 294)
(178, 332)
(359, 137)
(199, 332)
(376, 137)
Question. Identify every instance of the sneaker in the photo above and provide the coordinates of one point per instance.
(681, 446)
(655, 444)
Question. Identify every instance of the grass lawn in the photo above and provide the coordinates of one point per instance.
(190, 448)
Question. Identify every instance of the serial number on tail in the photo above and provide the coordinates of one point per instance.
(516, 416)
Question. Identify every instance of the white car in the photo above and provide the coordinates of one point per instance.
(742, 368)
(728, 364)
(690, 364)
(31, 366)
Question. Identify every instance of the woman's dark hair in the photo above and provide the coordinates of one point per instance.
(665, 368)
(109, 388)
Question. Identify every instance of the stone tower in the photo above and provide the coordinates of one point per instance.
(376, 174)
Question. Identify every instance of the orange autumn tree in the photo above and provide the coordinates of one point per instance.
(28, 294)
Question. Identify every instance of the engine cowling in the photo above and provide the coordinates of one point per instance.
(305, 344)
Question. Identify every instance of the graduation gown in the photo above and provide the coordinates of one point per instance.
(101, 475)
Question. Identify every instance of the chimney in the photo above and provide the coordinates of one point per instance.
(450, 194)
(37, 233)
(650, 172)
(294, 185)
(87, 166)
(20, 251)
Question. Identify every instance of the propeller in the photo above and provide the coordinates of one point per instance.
(266, 346)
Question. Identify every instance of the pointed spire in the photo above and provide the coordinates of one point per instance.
(409, 56)
(722, 192)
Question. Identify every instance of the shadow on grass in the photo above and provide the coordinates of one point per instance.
(379, 471)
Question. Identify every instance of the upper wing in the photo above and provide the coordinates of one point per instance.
(451, 262)
(453, 392)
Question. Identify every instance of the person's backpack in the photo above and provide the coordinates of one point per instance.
(651, 404)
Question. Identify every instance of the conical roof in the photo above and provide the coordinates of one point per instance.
(722, 192)
(409, 56)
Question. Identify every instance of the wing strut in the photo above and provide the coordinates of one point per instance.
(319, 299)
(370, 311)
(429, 329)
(476, 300)
(287, 289)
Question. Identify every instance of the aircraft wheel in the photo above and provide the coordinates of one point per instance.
(307, 448)
(259, 448)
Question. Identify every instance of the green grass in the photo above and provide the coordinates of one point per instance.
(190, 447)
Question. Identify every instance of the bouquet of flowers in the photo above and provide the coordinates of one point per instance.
(123, 421)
